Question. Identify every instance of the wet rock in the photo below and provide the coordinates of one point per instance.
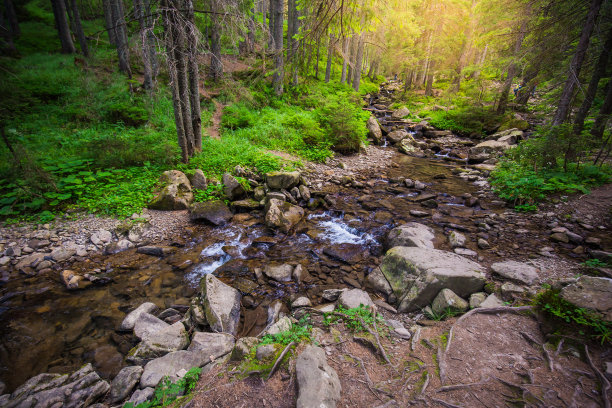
(221, 305)
(305, 193)
(173, 337)
(147, 324)
(301, 301)
(411, 234)
(5, 260)
(278, 180)
(602, 255)
(401, 113)
(374, 130)
(29, 261)
(213, 212)
(170, 365)
(346, 252)
(232, 189)
(378, 282)
(447, 299)
(73, 281)
(397, 135)
(417, 275)
(490, 146)
(476, 299)
(259, 193)
(101, 237)
(456, 239)
(318, 383)
(283, 215)
(491, 301)
(62, 254)
(130, 320)
(352, 298)
(264, 352)
(516, 271)
(175, 193)
(280, 273)
(419, 214)
(243, 347)
(483, 243)
(592, 293)
(140, 396)
(156, 250)
(331, 295)
(212, 345)
(245, 205)
(81, 388)
(198, 180)
(124, 383)
(119, 246)
(409, 146)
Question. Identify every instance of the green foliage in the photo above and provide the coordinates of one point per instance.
(448, 312)
(168, 392)
(352, 318)
(572, 318)
(595, 263)
(298, 332)
(470, 121)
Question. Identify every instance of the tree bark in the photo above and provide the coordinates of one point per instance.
(512, 70)
(123, 51)
(598, 73)
(271, 17)
(59, 12)
(108, 22)
(430, 79)
(603, 116)
(216, 66)
(291, 5)
(11, 16)
(318, 55)
(140, 11)
(277, 78)
(330, 55)
(576, 64)
(481, 61)
(295, 44)
(358, 62)
(345, 57)
(194, 76)
(78, 28)
(352, 55)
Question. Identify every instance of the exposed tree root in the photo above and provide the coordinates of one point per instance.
(605, 384)
(279, 359)
(454, 387)
(445, 404)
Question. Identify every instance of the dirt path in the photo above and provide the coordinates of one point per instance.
(214, 129)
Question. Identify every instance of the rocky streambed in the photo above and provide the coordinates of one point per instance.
(421, 192)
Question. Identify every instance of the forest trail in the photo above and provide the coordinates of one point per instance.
(215, 121)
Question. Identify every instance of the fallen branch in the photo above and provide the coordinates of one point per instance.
(442, 365)
(551, 366)
(279, 359)
(605, 384)
(415, 339)
(425, 384)
(445, 404)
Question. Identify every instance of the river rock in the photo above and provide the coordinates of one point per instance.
(465, 252)
(409, 146)
(411, 234)
(213, 212)
(63, 253)
(401, 113)
(591, 293)
(245, 205)
(72, 280)
(374, 130)
(397, 135)
(79, 389)
(318, 383)
(456, 239)
(130, 320)
(346, 252)
(282, 325)
(476, 299)
(491, 301)
(516, 271)
(212, 345)
(278, 180)
(418, 274)
(304, 192)
(447, 299)
(175, 193)
(232, 188)
(352, 298)
(243, 347)
(283, 215)
(29, 261)
(171, 338)
(378, 282)
(140, 396)
(171, 365)
(198, 180)
(301, 301)
(147, 324)
(280, 273)
(119, 246)
(124, 383)
(490, 146)
(221, 305)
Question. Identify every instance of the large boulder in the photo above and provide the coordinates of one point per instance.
(447, 299)
(374, 130)
(232, 188)
(213, 345)
(81, 388)
(171, 365)
(174, 337)
(591, 293)
(377, 281)
(175, 193)
(124, 383)
(221, 305)
(353, 298)
(516, 271)
(418, 274)
(280, 273)
(147, 325)
(411, 234)
(318, 383)
(278, 180)
(130, 320)
(212, 212)
(397, 135)
(409, 146)
(401, 113)
(283, 215)
(490, 146)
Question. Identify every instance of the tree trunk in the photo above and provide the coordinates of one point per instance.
(123, 51)
(291, 5)
(481, 62)
(330, 56)
(408, 81)
(251, 33)
(108, 22)
(358, 62)
(603, 116)
(576, 64)
(216, 67)
(277, 78)
(151, 42)
(345, 57)
(78, 28)
(140, 11)
(430, 79)
(598, 73)
(512, 70)
(59, 12)
(194, 76)
(11, 17)
(271, 17)
(352, 55)
(318, 56)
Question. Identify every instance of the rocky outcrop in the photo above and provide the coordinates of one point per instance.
(175, 193)
(212, 212)
(397, 135)
(318, 383)
(401, 113)
(591, 293)
(80, 389)
(279, 180)
(198, 180)
(411, 234)
(283, 215)
(516, 271)
(221, 305)
(417, 275)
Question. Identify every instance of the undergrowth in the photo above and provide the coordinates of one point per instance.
(168, 392)
(352, 318)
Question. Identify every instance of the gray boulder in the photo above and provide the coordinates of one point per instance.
(447, 299)
(147, 325)
(353, 298)
(198, 180)
(374, 130)
(491, 301)
(221, 305)
(232, 188)
(456, 239)
(130, 320)
(411, 234)
(175, 193)
(283, 215)
(591, 293)
(401, 113)
(318, 383)
(417, 275)
(278, 180)
(378, 282)
(82, 388)
(516, 271)
(171, 365)
(212, 345)
(124, 383)
(476, 299)
(140, 396)
(213, 212)
(280, 273)
(171, 338)
(397, 135)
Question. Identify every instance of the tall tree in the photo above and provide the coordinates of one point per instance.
(512, 69)
(108, 22)
(330, 55)
(576, 64)
(277, 78)
(216, 65)
(358, 62)
(9, 26)
(123, 49)
(61, 22)
(142, 9)
(78, 28)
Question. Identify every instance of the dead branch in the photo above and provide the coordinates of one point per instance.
(415, 339)
(442, 365)
(605, 384)
(445, 404)
(279, 359)
(549, 360)
(425, 384)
